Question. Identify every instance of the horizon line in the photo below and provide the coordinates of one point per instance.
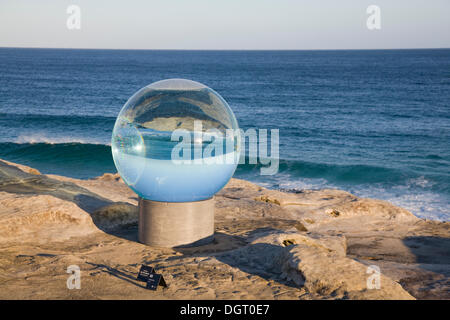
(134, 49)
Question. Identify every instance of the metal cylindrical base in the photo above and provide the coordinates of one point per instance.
(173, 224)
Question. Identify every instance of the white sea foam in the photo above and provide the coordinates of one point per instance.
(412, 196)
(423, 204)
(419, 182)
(43, 138)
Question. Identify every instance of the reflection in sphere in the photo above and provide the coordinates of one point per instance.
(176, 140)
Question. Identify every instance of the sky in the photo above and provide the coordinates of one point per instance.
(225, 24)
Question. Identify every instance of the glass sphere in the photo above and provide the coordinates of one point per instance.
(176, 140)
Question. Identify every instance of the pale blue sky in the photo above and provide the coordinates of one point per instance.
(225, 24)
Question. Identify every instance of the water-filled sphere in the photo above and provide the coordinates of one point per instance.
(176, 140)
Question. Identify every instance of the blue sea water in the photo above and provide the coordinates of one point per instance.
(375, 123)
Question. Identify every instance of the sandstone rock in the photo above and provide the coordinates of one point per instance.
(268, 244)
(43, 219)
(24, 168)
(109, 177)
(332, 275)
(115, 215)
(333, 212)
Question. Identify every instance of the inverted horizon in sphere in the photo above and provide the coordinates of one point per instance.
(143, 141)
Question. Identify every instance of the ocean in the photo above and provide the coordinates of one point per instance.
(373, 122)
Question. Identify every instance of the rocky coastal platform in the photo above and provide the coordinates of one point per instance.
(313, 244)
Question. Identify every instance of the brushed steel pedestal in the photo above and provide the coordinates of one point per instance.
(176, 224)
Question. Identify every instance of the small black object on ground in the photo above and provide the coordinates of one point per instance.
(147, 274)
